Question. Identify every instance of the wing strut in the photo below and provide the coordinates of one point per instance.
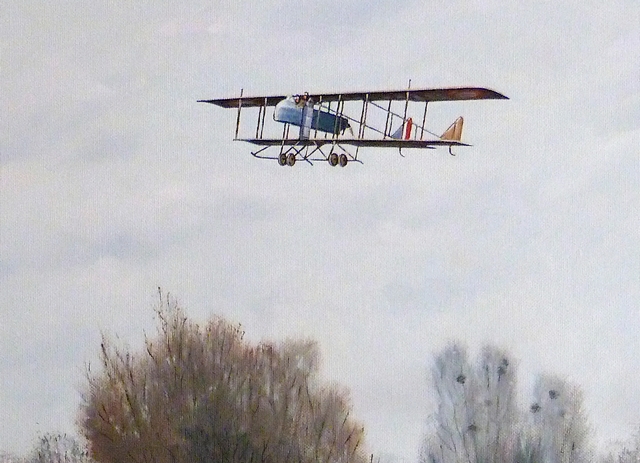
(239, 108)
(424, 119)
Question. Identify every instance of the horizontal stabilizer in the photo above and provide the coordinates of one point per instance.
(454, 132)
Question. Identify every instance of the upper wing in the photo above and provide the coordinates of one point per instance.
(427, 94)
(247, 101)
(424, 95)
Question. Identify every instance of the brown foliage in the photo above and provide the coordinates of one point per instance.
(205, 394)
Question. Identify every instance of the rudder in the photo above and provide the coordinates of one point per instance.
(454, 132)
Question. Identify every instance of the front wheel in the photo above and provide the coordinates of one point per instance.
(291, 159)
(343, 160)
(333, 159)
(282, 159)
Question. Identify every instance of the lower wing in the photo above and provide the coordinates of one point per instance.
(373, 143)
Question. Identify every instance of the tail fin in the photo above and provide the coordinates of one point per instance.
(454, 132)
(407, 130)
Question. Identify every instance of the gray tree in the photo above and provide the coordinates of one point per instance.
(495, 406)
(478, 420)
(476, 407)
(59, 448)
(6, 457)
(625, 451)
(556, 429)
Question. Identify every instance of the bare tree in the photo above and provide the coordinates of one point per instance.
(476, 411)
(6, 457)
(452, 377)
(59, 448)
(556, 430)
(201, 394)
(495, 406)
(625, 451)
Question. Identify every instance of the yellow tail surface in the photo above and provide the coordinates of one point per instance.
(454, 132)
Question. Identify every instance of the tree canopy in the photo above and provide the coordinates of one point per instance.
(203, 393)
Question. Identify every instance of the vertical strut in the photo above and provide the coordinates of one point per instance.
(239, 108)
(339, 109)
(263, 114)
(404, 118)
(259, 119)
(364, 104)
(366, 111)
(315, 134)
(329, 111)
(424, 119)
(387, 129)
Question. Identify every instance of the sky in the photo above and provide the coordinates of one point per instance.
(114, 182)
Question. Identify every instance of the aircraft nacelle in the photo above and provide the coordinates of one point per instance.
(303, 114)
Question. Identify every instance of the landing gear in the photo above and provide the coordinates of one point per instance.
(333, 159)
(289, 156)
(285, 159)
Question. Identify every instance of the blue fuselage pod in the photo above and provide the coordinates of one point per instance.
(307, 118)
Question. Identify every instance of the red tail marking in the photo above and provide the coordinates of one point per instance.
(407, 133)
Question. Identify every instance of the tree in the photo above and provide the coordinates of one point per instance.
(6, 457)
(450, 440)
(625, 452)
(496, 408)
(201, 394)
(556, 430)
(478, 420)
(476, 407)
(59, 448)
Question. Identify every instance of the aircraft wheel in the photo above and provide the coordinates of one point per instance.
(282, 159)
(343, 160)
(291, 159)
(333, 159)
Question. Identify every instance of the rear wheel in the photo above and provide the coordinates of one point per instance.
(333, 159)
(291, 159)
(343, 160)
(282, 159)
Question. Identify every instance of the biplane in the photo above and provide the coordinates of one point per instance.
(324, 124)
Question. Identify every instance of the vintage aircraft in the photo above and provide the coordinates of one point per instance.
(324, 131)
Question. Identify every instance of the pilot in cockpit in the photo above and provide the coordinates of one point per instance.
(301, 100)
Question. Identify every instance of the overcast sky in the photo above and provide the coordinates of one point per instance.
(114, 181)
